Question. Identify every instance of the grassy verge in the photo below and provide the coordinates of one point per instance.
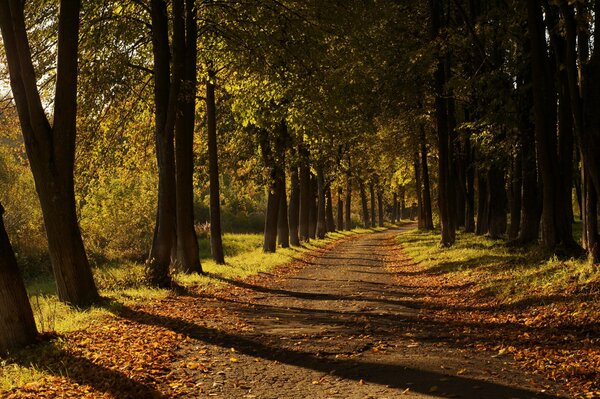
(510, 274)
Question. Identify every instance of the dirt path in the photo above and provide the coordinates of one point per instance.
(337, 325)
(343, 328)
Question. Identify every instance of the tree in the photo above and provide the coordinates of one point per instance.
(51, 147)
(17, 326)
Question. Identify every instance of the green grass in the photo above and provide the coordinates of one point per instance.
(509, 273)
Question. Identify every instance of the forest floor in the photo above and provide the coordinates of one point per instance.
(355, 319)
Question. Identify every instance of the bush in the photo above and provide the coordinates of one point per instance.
(117, 217)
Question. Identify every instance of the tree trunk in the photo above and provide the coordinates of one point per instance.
(321, 217)
(329, 209)
(515, 197)
(51, 150)
(482, 204)
(372, 192)
(380, 207)
(496, 202)
(294, 208)
(365, 205)
(556, 225)
(17, 326)
(348, 224)
(283, 227)
(469, 188)
(426, 198)
(314, 207)
(530, 211)
(340, 209)
(443, 133)
(273, 196)
(216, 235)
(305, 195)
(418, 193)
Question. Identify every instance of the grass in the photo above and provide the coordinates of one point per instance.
(511, 274)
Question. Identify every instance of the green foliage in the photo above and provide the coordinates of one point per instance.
(117, 214)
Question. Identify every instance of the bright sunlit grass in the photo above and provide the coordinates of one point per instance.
(506, 272)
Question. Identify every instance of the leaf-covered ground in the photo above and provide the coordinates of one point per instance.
(356, 319)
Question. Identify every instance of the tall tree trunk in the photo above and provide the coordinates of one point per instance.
(402, 202)
(372, 192)
(340, 209)
(216, 235)
(482, 204)
(294, 208)
(516, 188)
(329, 209)
(365, 205)
(283, 227)
(17, 326)
(305, 196)
(426, 198)
(321, 217)
(314, 207)
(418, 192)
(188, 258)
(443, 133)
(166, 92)
(496, 200)
(530, 211)
(556, 224)
(348, 223)
(275, 190)
(469, 187)
(51, 149)
(380, 207)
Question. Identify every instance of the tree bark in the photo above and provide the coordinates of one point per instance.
(418, 193)
(496, 202)
(294, 208)
(283, 227)
(329, 209)
(188, 258)
(314, 207)
(372, 192)
(516, 188)
(443, 132)
(426, 197)
(469, 188)
(305, 196)
(482, 204)
(380, 207)
(17, 325)
(530, 211)
(274, 193)
(51, 149)
(216, 234)
(321, 217)
(365, 205)
(556, 225)
(348, 224)
(340, 209)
